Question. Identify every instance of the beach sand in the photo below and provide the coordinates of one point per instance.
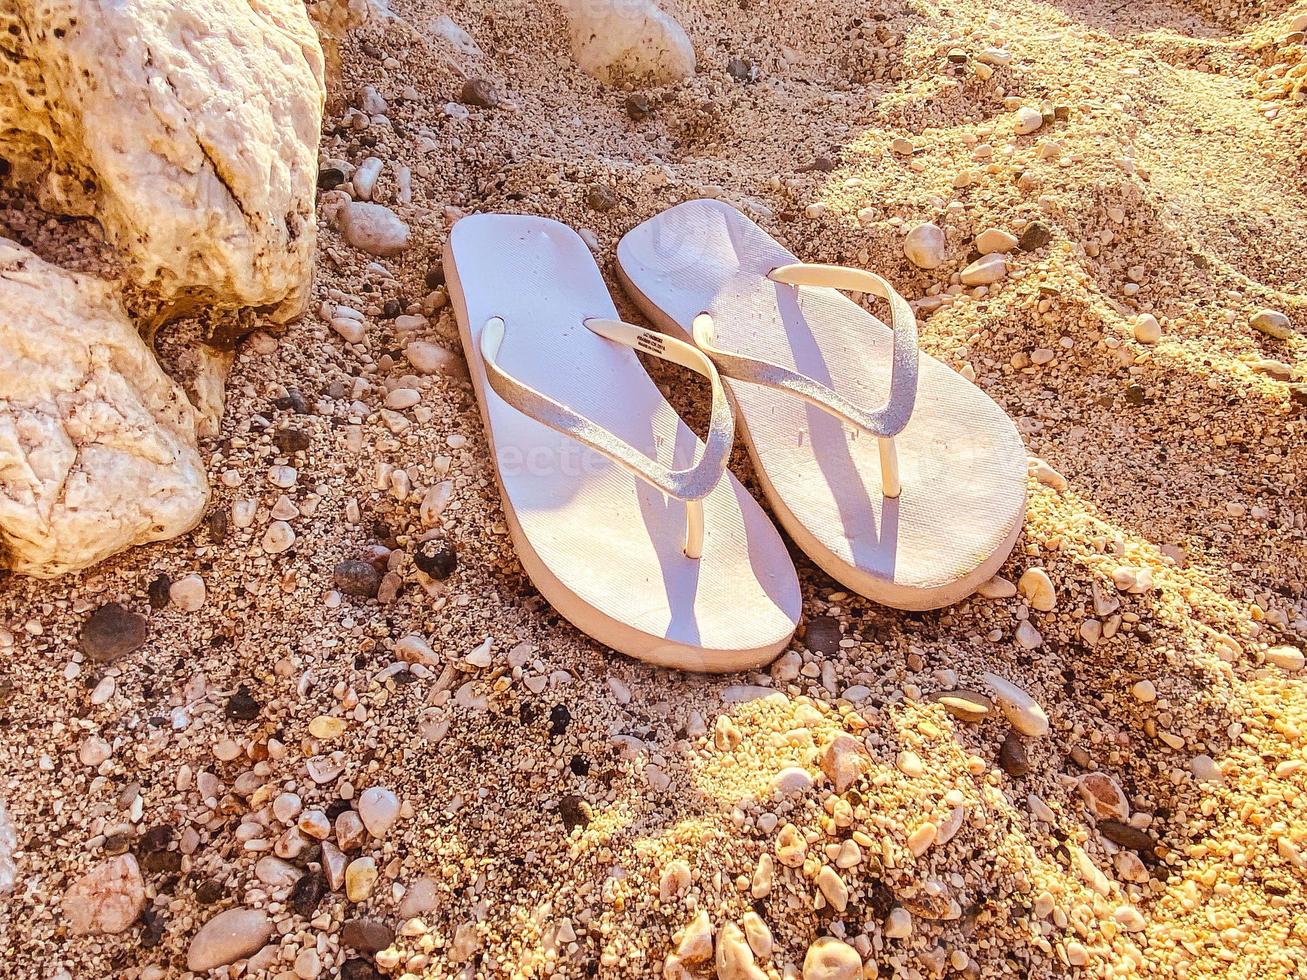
(566, 812)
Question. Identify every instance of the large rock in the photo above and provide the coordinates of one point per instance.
(97, 445)
(188, 128)
(620, 41)
(107, 899)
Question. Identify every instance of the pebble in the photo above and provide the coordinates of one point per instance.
(112, 632)
(422, 896)
(1146, 329)
(360, 878)
(791, 848)
(757, 934)
(1285, 657)
(107, 899)
(324, 769)
(1130, 919)
(1035, 236)
(434, 502)
(308, 964)
(1136, 581)
(985, 270)
(365, 178)
(919, 840)
(284, 477)
(414, 649)
(951, 824)
(910, 764)
(104, 691)
(1122, 833)
(763, 875)
(902, 147)
(833, 888)
(696, 945)
(925, 246)
(278, 538)
(1205, 769)
(970, 706)
(1144, 691)
(1029, 637)
(229, 936)
(638, 106)
(188, 593)
(674, 880)
(1037, 587)
(402, 398)
(479, 92)
(1272, 323)
(284, 509)
(325, 727)
(482, 655)
(242, 706)
(429, 358)
(600, 197)
(792, 781)
(995, 240)
(899, 923)
(1104, 796)
(822, 635)
(831, 959)
(286, 807)
(379, 808)
(1028, 120)
(843, 761)
(333, 865)
(1012, 757)
(1047, 475)
(93, 752)
(350, 832)
(356, 578)
(998, 57)
(1022, 711)
(307, 893)
(276, 873)
(372, 228)
(366, 935)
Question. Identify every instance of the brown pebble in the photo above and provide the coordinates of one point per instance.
(1122, 833)
(479, 92)
(112, 632)
(638, 106)
(366, 935)
(1012, 756)
(1035, 237)
(356, 578)
(599, 197)
(822, 635)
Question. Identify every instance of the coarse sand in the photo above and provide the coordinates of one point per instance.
(566, 812)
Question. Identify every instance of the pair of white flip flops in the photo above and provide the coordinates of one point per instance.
(630, 525)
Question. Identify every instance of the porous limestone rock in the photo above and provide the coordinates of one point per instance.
(634, 41)
(97, 445)
(189, 129)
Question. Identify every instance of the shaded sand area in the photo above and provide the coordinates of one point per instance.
(562, 812)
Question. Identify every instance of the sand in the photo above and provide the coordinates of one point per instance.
(567, 812)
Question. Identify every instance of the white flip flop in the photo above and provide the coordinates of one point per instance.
(913, 504)
(625, 521)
